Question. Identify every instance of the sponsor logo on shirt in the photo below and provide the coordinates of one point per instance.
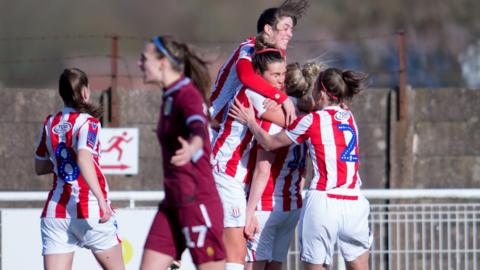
(342, 115)
(91, 138)
(62, 128)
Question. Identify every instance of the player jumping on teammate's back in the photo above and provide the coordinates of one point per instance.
(232, 152)
(276, 24)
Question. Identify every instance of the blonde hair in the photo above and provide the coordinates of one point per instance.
(300, 82)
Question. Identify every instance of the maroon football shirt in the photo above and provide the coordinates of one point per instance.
(182, 108)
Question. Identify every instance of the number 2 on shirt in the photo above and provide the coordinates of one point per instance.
(347, 154)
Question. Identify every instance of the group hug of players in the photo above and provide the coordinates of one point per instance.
(233, 170)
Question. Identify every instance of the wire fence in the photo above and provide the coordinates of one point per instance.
(22, 66)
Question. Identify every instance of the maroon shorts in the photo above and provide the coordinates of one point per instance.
(197, 227)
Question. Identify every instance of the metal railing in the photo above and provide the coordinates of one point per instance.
(371, 194)
(410, 232)
(425, 236)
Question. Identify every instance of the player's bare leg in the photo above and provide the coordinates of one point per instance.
(258, 265)
(309, 266)
(273, 265)
(62, 261)
(153, 260)
(111, 259)
(220, 265)
(235, 247)
(360, 263)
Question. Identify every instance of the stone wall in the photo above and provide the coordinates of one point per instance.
(437, 146)
(446, 138)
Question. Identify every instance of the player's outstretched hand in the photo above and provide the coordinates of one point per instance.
(183, 155)
(241, 113)
(106, 210)
(290, 114)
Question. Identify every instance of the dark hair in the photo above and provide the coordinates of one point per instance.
(265, 54)
(184, 59)
(70, 86)
(299, 83)
(289, 8)
(341, 85)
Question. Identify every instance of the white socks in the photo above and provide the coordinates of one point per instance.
(234, 266)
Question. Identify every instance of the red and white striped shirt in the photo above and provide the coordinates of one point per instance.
(283, 190)
(332, 138)
(62, 136)
(227, 83)
(231, 148)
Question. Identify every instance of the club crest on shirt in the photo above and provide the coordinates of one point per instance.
(210, 251)
(235, 212)
(167, 108)
(342, 115)
(93, 125)
(62, 128)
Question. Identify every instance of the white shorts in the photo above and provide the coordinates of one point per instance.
(276, 232)
(233, 196)
(65, 235)
(325, 220)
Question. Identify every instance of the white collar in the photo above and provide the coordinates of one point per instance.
(176, 86)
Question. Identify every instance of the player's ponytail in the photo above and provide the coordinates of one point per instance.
(196, 69)
(183, 59)
(341, 85)
(70, 86)
(261, 43)
(265, 54)
(300, 81)
(355, 82)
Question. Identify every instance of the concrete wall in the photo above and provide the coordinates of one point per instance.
(437, 146)
(446, 138)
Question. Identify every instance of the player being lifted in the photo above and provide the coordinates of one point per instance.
(276, 25)
(232, 155)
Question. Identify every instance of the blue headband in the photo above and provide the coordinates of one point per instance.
(158, 43)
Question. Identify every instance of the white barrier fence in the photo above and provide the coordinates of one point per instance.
(409, 235)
